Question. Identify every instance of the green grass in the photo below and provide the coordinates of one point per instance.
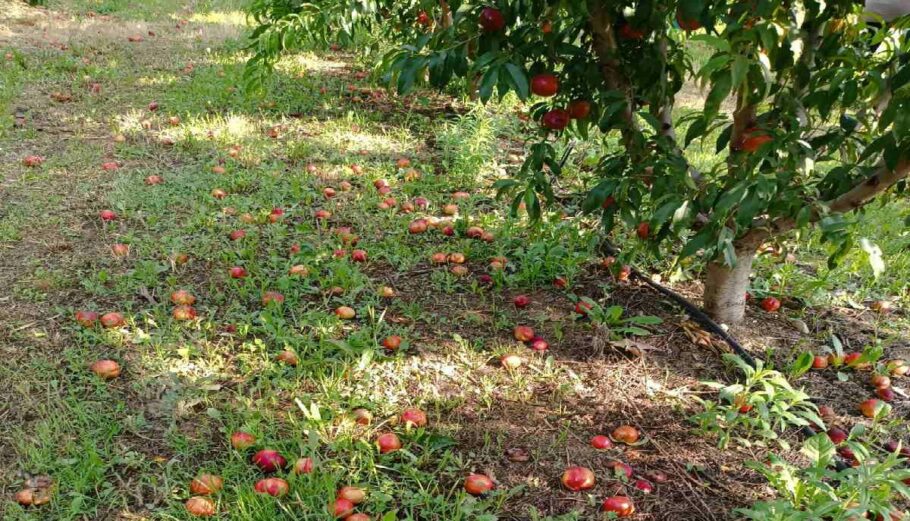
(131, 446)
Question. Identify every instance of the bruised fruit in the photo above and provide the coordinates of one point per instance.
(619, 505)
(478, 484)
(276, 487)
(523, 333)
(355, 495)
(200, 506)
(206, 484)
(303, 466)
(107, 369)
(626, 434)
(414, 417)
(242, 440)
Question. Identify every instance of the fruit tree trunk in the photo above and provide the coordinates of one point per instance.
(725, 288)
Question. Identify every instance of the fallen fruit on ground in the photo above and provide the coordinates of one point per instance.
(478, 484)
(388, 442)
(414, 417)
(303, 466)
(345, 312)
(523, 333)
(276, 487)
(620, 505)
(106, 369)
(112, 319)
(578, 478)
(626, 434)
(205, 484)
(601, 442)
(200, 506)
(269, 460)
(355, 495)
(241, 440)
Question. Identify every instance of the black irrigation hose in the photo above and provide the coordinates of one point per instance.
(694, 311)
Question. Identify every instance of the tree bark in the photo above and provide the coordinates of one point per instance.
(725, 288)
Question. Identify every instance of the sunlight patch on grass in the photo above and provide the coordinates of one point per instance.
(235, 18)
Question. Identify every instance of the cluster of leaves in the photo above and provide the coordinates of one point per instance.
(830, 89)
(757, 410)
(823, 491)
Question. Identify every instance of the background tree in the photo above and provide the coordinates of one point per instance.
(807, 107)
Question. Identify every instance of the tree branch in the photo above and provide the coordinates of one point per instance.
(878, 182)
(607, 51)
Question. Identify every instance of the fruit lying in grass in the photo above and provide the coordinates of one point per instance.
(868, 407)
(345, 186)
(474, 232)
(438, 258)
(269, 460)
(298, 270)
(200, 506)
(560, 283)
(478, 484)
(770, 304)
(601, 442)
(392, 342)
(521, 301)
(276, 487)
(236, 235)
(345, 313)
(357, 517)
(355, 495)
(582, 307)
(242, 440)
(109, 166)
(322, 214)
(106, 369)
(511, 361)
(852, 360)
(341, 508)
(272, 297)
(237, 272)
(538, 344)
(897, 367)
(556, 119)
(218, 193)
(820, 362)
(626, 434)
(86, 318)
(644, 486)
(880, 381)
(205, 484)
(450, 209)
(545, 85)
(881, 306)
(275, 215)
(359, 256)
(218, 169)
(491, 20)
(107, 215)
(456, 258)
(120, 250)
(388, 442)
(619, 505)
(414, 417)
(303, 466)
(620, 470)
(182, 297)
(183, 313)
(362, 416)
(386, 292)
(32, 161)
(577, 478)
(112, 319)
(288, 357)
(885, 393)
(417, 226)
(153, 180)
(837, 435)
(523, 333)
(328, 192)
(459, 270)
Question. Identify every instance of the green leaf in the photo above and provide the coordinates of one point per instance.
(801, 365)
(487, 83)
(720, 90)
(717, 42)
(695, 131)
(519, 80)
(739, 70)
